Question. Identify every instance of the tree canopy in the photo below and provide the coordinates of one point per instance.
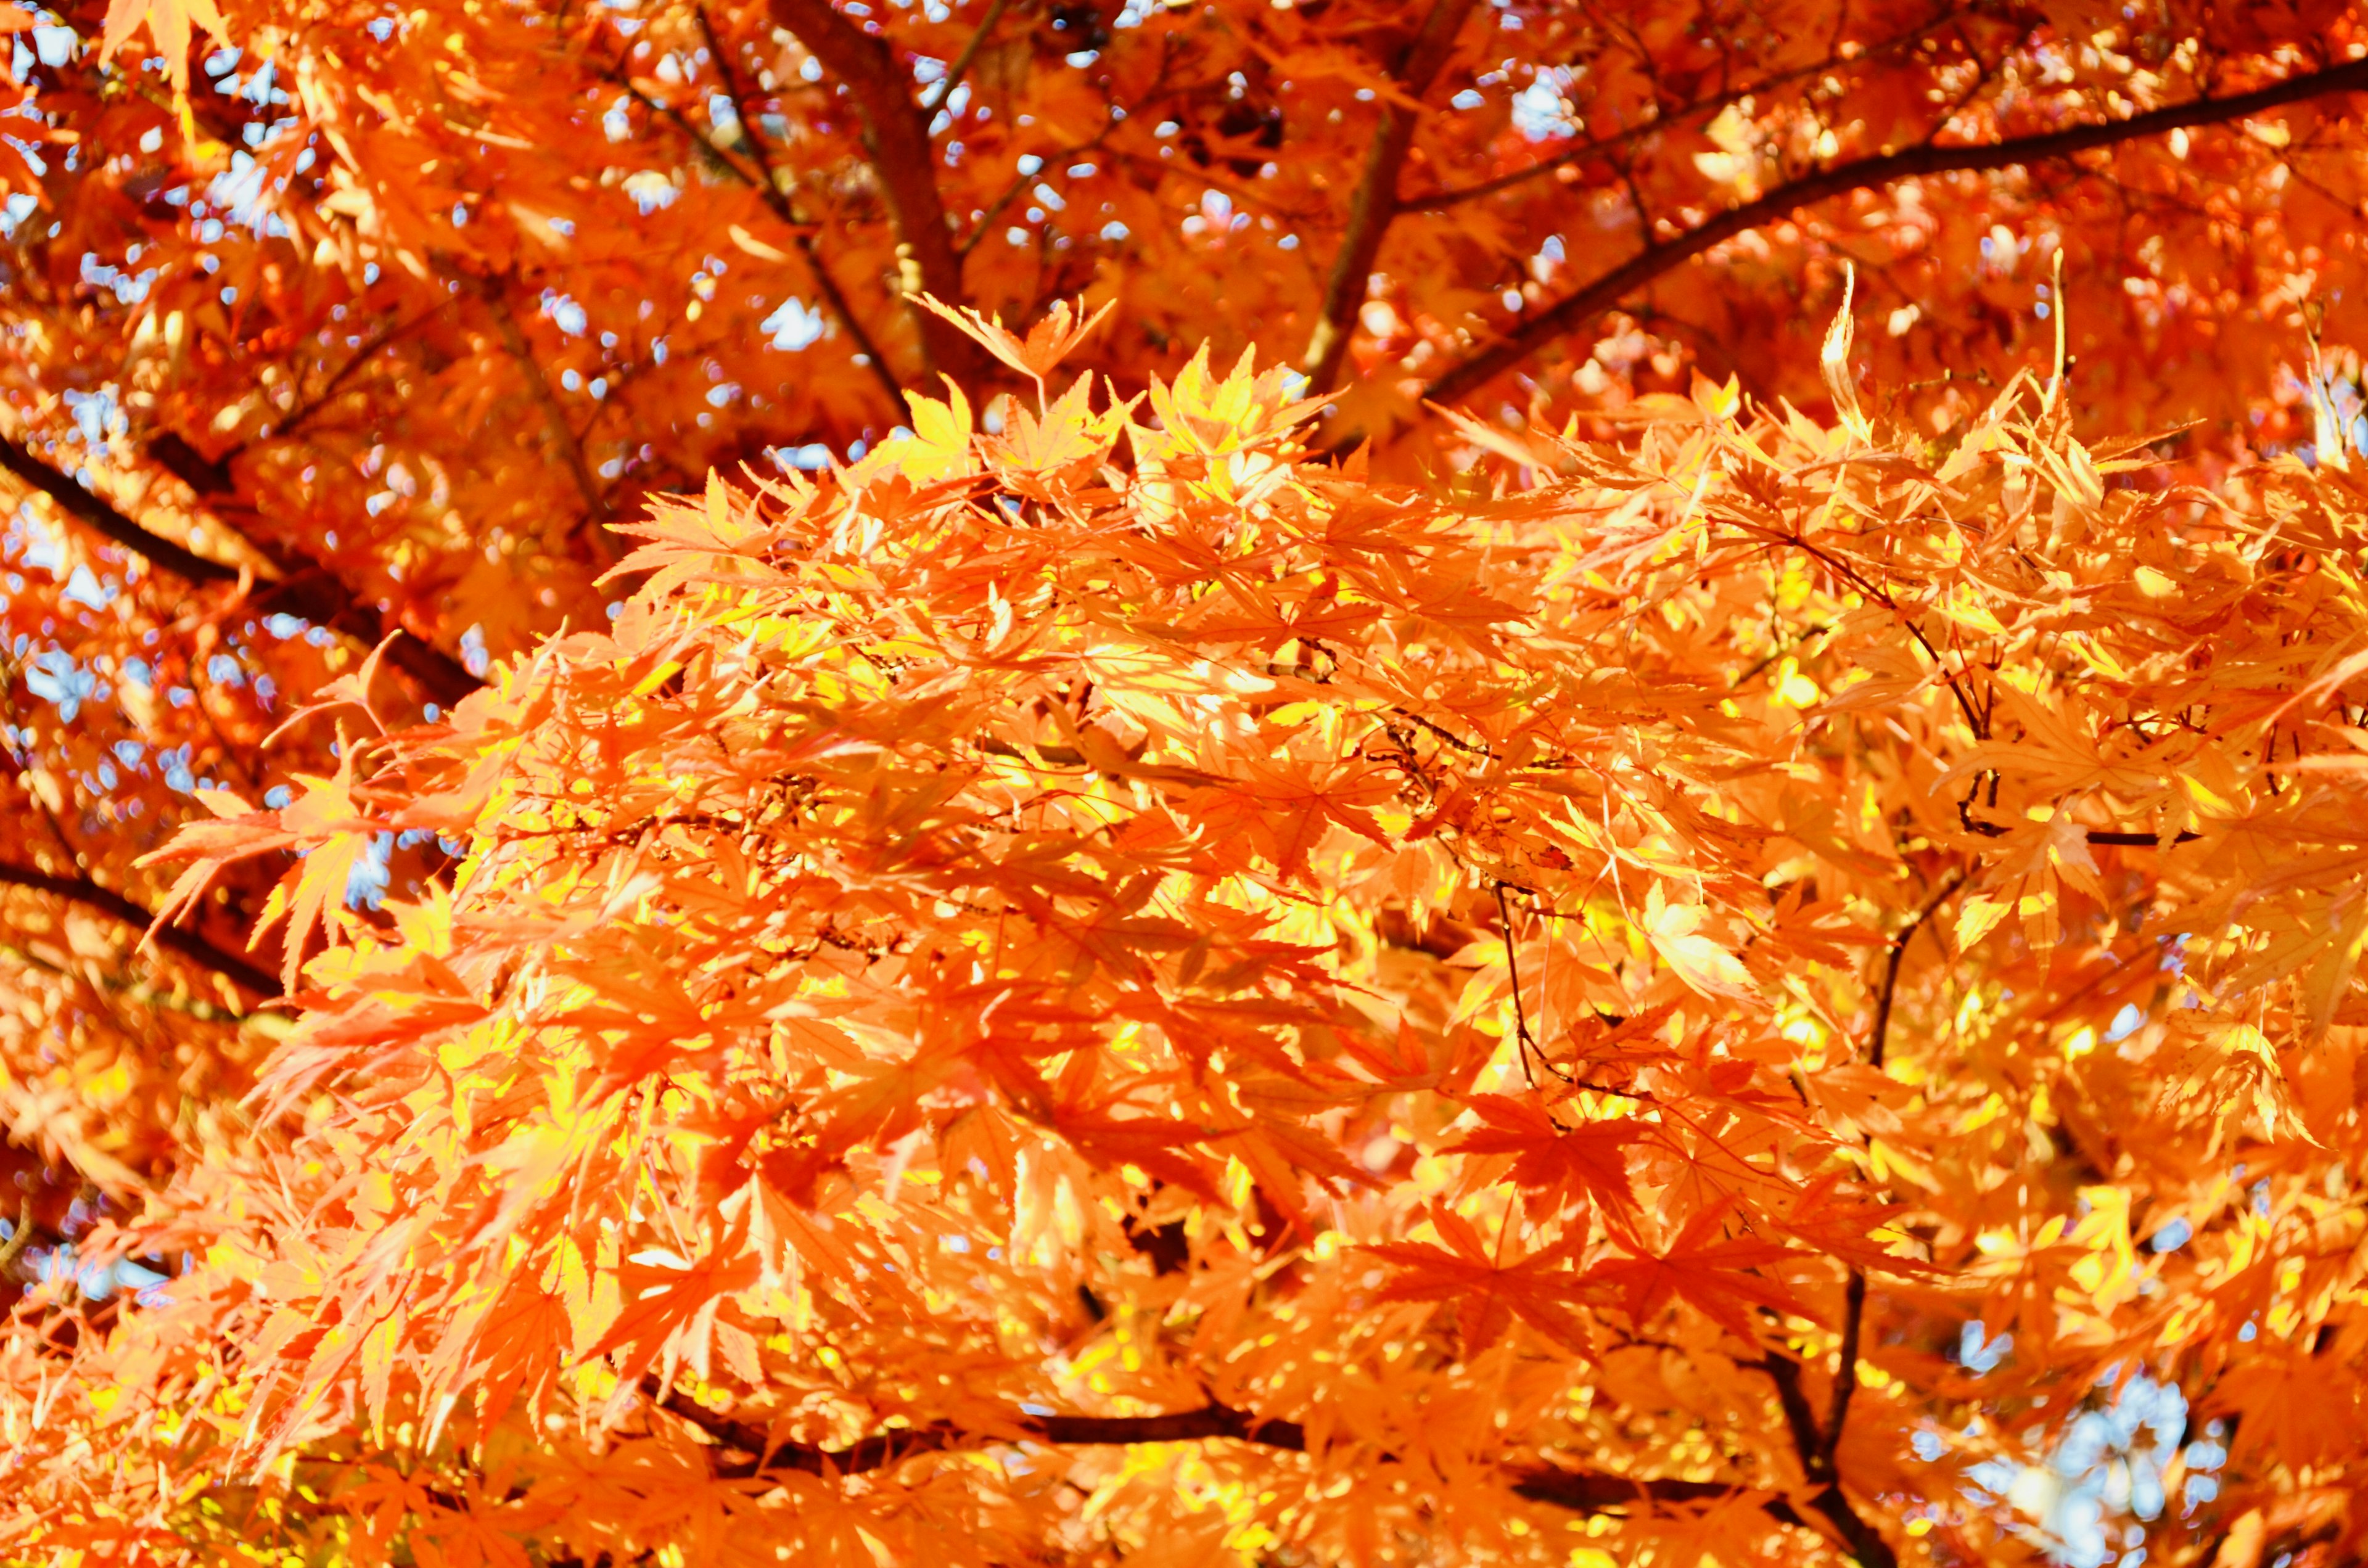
(1598, 802)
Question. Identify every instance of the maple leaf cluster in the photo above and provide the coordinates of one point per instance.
(1533, 835)
(1107, 988)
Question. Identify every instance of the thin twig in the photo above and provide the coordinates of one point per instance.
(935, 99)
(554, 418)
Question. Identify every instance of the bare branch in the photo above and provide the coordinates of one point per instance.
(1575, 310)
(1416, 65)
(897, 138)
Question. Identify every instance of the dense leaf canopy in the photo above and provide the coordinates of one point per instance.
(1607, 807)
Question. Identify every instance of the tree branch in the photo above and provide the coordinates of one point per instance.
(935, 99)
(1590, 1492)
(1659, 256)
(306, 588)
(174, 939)
(1816, 1453)
(1416, 65)
(1854, 1293)
(96, 514)
(777, 201)
(897, 139)
(554, 418)
(1878, 1040)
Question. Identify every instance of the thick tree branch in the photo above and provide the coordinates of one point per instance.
(96, 514)
(1416, 65)
(172, 939)
(1575, 310)
(306, 588)
(897, 139)
(1590, 1492)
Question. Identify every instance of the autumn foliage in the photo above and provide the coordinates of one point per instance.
(1291, 912)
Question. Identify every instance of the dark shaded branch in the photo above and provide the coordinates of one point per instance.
(1575, 310)
(896, 140)
(768, 185)
(1816, 1449)
(2111, 837)
(306, 588)
(1845, 1362)
(1416, 63)
(1800, 1421)
(935, 99)
(1878, 1041)
(98, 516)
(538, 386)
(1864, 1541)
(172, 939)
(1581, 1491)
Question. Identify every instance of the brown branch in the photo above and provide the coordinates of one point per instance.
(1659, 256)
(2109, 837)
(1581, 1491)
(777, 201)
(172, 939)
(935, 99)
(1818, 1448)
(96, 514)
(1878, 1041)
(1416, 65)
(896, 140)
(554, 418)
(1816, 1454)
(306, 587)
